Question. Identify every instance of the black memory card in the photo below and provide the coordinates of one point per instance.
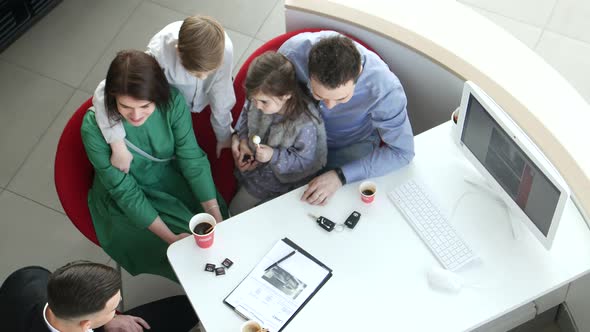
(220, 271)
(227, 263)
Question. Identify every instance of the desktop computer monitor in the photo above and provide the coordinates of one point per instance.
(511, 163)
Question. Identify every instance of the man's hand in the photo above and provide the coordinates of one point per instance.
(320, 189)
(121, 157)
(223, 145)
(264, 153)
(126, 323)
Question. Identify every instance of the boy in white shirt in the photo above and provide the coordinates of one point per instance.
(196, 56)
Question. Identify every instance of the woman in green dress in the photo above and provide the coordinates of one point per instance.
(138, 214)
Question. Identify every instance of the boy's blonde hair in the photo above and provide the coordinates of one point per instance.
(201, 44)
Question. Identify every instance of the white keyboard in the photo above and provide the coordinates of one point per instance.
(431, 225)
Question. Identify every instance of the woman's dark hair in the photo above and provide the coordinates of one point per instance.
(81, 288)
(333, 61)
(273, 74)
(135, 74)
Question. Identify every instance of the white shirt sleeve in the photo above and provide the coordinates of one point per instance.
(221, 96)
(112, 131)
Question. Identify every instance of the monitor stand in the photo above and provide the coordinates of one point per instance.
(481, 183)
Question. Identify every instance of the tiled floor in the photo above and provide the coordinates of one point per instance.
(56, 65)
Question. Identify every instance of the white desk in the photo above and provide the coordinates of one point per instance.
(379, 267)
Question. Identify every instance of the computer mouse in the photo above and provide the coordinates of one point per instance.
(444, 280)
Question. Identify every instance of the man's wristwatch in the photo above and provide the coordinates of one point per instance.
(341, 176)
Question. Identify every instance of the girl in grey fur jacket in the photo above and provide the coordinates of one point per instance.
(292, 146)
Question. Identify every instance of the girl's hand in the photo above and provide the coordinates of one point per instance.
(264, 153)
(249, 165)
(244, 147)
(243, 163)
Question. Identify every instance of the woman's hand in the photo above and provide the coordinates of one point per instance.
(216, 213)
(264, 153)
(178, 237)
(212, 208)
(121, 157)
(159, 228)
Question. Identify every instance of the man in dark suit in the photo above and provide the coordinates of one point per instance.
(79, 297)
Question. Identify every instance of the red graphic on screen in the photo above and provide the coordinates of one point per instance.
(524, 189)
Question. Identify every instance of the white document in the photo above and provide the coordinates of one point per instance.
(271, 297)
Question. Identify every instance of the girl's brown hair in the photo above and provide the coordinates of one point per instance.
(135, 74)
(273, 74)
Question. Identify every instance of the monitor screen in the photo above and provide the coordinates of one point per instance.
(522, 180)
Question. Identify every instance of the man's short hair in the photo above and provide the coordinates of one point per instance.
(334, 61)
(201, 44)
(81, 288)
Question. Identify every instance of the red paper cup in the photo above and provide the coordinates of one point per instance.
(205, 224)
(368, 190)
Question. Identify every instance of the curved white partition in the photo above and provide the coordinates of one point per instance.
(435, 45)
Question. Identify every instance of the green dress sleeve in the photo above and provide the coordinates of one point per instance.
(122, 187)
(192, 161)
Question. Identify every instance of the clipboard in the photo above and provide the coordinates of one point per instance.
(250, 315)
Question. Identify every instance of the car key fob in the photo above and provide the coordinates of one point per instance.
(352, 220)
(326, 223)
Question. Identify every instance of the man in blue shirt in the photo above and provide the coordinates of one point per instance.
(363, 105)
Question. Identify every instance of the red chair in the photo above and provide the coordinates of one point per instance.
(74, 173)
